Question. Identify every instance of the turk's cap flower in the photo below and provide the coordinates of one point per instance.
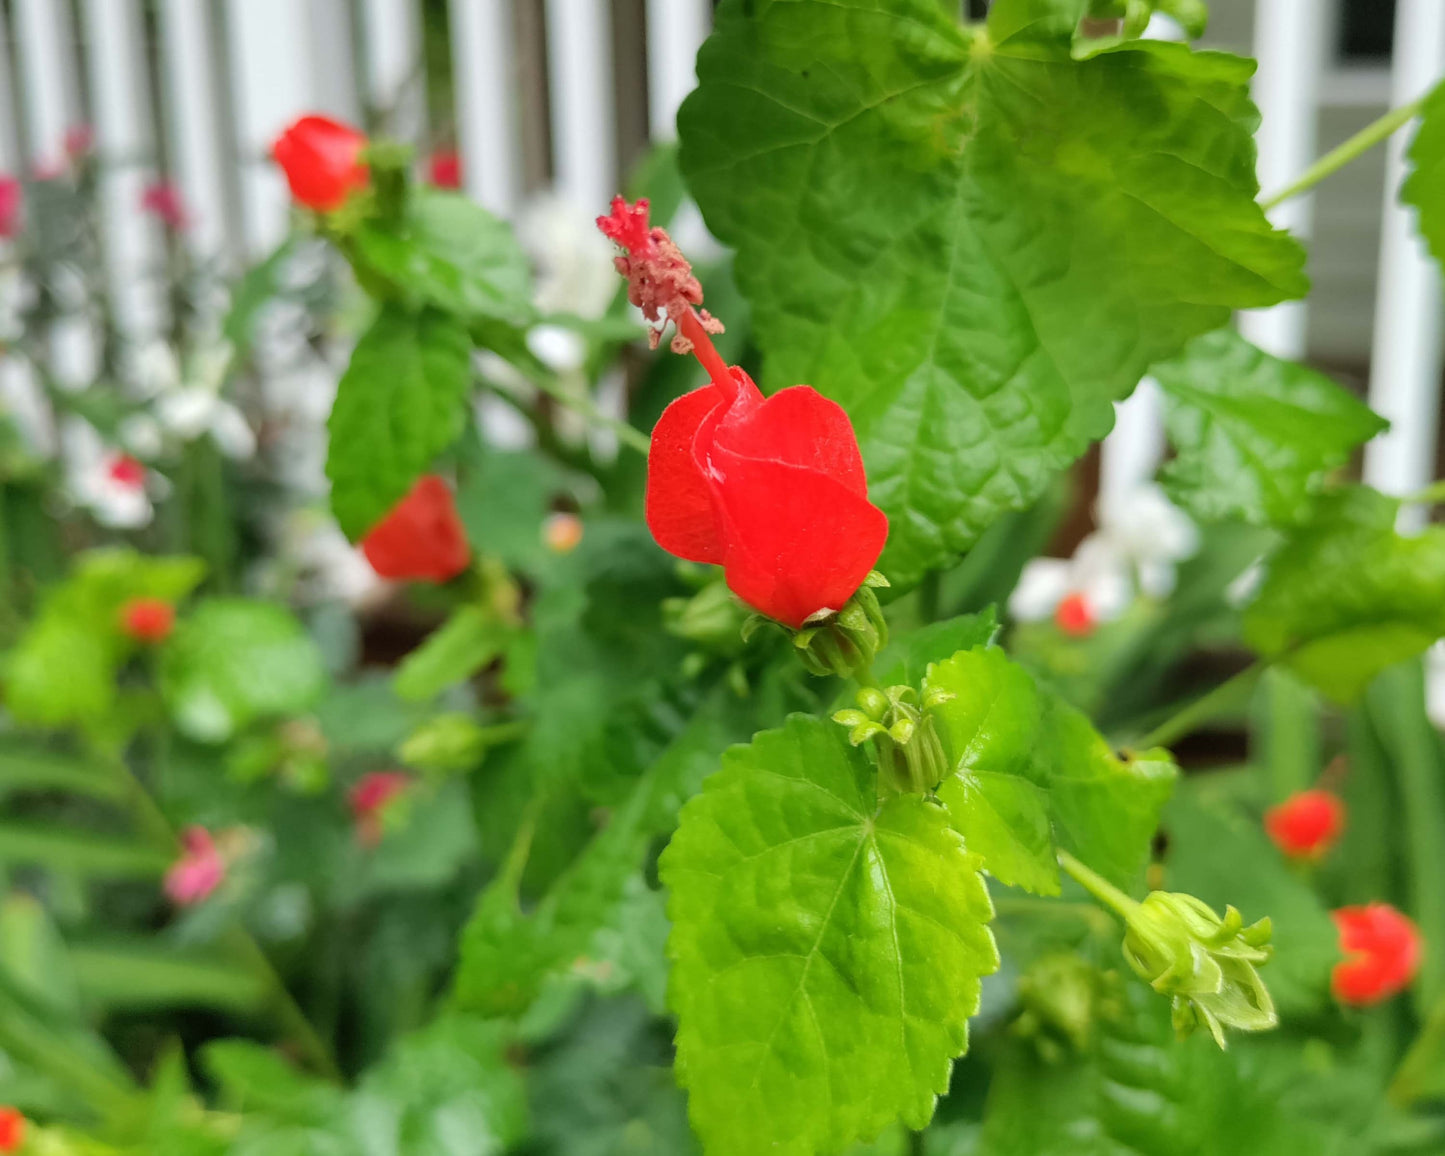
(163, 200)
(1078, 593)
(323, 160)
(1306, 824)
(771, 489)
(115, 486)
(200, 869)
(1382, 949)
(12, 1128)
(12, 197)
(422, 538)
(1206, 964)
(444, 169)
(147, 620)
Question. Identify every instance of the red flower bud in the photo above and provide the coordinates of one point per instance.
(147, 620)
(422, 538)
(199, 870)
(1306, 824)
(12, 1129)
(444, 170)
(322, 161)
(164, 201)
(125, 470)
(1074, 617)
(1382, 951)
(771, 489)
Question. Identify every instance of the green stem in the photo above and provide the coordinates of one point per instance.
(863, 675)
(1431, 494)
(1222, 698)
(153, 822)
(1418, 1073)
(510, 876)
(1337, 158)
(627, 435)
(1099, 887)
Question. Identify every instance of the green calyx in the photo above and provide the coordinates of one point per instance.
(900, 726)
(713, 618)
(845, 642)
(1206, 964)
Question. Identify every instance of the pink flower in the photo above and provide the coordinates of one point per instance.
(445, 169)
(79, 140)
(164, 200)
(10, 198)
(198, 871)
(369, 800)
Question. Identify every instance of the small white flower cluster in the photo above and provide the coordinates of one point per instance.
(1141, 537)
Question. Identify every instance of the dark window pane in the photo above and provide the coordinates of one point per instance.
(1366, 28)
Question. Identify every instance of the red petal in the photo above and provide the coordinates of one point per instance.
(421, 538)
(800, 427)
(321, 158)
(1382, 953)
(798, 540)
(679, 503)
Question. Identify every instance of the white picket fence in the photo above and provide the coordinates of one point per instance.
(225, 91)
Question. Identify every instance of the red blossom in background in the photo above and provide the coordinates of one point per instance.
(444, 170)
(147, 620)
(198, 871)
(12, 1129)
(771, 489)
(164, 200)
(11, 198)
(125, 470)
(1306, 824)
(79, 141)
(322, 161)
(422, 539)
(1074, 616)
(1382, 950)
(369, 799)
(562, 533)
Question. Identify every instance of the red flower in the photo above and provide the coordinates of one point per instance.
(422, 538)
(126, 471)
(771, 489)
(11, 196)
(147, 620)
(198, 871)
(445, 169)
(1382, 953)
(164, 200)
(12, 1129)
(1306, 824)
(369, 799)
(1074, 617)
(322, 161)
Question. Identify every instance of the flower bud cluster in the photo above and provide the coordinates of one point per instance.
(900, 726)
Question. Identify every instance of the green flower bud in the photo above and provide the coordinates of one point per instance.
(910, 754)
(1064, 998)
(845, 642)
(712, 618)
(1206, 964)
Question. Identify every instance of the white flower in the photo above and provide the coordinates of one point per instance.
(112, 484)
(190, 406)
(327, 566)
(560, 349)
(573, 260)
(1141, 536)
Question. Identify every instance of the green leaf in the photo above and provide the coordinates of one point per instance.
(398, 405)
(66, 849)
(452, 254)
(27, 768)
(1146, 1094)
(63, 669)
(443, 1090)
(826, 951)
(1425, 186)
(1346, 596)
(469, 640)
(906, 659)
(234, 661)
(146, 976)
(250, 293)
(973, 242)
(1032, 775)
(1255, 434)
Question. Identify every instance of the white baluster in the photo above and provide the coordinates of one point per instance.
(675, 30)
(193, 125)
(118, 81)
(395, 80)
(482, 53)
(51, 104)
(1289, 42)
(1405, 361)
(579, 67)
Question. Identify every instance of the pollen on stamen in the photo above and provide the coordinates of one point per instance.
(660, 280)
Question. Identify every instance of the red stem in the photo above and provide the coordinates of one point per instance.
(703, 349)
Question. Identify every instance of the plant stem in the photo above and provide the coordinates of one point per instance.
(1202, 709)
(628, 435)
(1412, 1078)
(1100, 888)
(1337, 158)
(158, 829)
